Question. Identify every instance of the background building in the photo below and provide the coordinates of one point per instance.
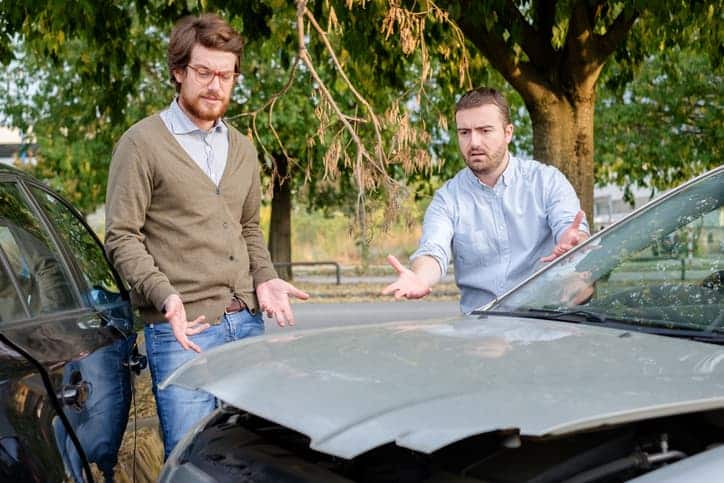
(13, 149)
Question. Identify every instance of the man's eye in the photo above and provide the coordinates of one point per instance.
(204, 73)
(226, 76)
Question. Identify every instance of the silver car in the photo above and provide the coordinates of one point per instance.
(607, 365)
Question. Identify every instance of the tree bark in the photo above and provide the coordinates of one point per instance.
(280, 226)
(563, 137)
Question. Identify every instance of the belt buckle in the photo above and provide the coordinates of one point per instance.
(238, 307)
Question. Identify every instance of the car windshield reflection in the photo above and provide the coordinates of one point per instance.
(659, 268)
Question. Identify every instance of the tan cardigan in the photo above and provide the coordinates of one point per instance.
(169, 230)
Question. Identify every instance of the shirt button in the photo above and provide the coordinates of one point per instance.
(231, 257)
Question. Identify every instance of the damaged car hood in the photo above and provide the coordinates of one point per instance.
(426, 385)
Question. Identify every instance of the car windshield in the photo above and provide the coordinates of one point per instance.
(660, 268)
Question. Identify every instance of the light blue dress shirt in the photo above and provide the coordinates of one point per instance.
(208, 149)
(496, 236)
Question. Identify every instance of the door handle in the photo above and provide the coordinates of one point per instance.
(74, 395)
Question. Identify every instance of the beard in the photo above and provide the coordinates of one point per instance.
(488, 163)
(199, 109)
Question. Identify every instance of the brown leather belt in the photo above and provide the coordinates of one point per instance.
(234, 306)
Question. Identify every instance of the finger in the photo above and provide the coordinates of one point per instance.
(391, 288)
(562, 248)
(295, 292)
(392, 260)
(266, 310)
(194, 347)
(400, 294)
(198, 320)
(289, 315)
(577, 220)
(549, 258)
(186, 343)
(197, 329)
(281, 319)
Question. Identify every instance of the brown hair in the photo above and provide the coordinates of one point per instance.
(208, 30)
(482, 96)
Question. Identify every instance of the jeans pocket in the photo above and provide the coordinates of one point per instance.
(244, 324)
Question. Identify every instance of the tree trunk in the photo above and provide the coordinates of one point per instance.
(280, 227)
(558, 85)
(563, 137)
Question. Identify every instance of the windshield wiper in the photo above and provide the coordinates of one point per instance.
(549, 314)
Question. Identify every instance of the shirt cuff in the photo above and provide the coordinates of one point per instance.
(434, 256)
(159, 295)
(264, 275)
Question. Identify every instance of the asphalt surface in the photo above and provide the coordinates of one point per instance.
(315, 315)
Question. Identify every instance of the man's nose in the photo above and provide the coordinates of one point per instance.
(215, 83)
(476, 139)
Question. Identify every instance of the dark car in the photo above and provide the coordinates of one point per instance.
(67, 344)
(605, 366)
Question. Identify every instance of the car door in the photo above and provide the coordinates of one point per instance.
(72, 320)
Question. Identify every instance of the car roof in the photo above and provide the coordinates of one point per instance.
(7, 169)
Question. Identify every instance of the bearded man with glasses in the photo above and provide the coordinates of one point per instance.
(182, 221)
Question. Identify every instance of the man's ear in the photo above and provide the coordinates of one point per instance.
(508, 133)
(179, 75)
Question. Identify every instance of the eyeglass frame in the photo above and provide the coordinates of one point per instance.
(214, 73)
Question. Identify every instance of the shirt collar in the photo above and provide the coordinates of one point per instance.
(181, 123)
(506, 178)
(508, 175)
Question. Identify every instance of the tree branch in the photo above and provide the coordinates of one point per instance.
(362, 152)
(605, 45)
(360, 98)
(535, 43)
(545, 14)
(523, 76)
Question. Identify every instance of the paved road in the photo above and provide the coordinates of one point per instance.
(312, 315)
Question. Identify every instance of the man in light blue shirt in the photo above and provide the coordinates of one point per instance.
(497, 219)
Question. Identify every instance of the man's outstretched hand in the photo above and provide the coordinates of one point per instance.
(182, 328)
(408, 285)
(569, 239)
(273, 298)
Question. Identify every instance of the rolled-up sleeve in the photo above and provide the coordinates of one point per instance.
(437, 232)
(562, 204)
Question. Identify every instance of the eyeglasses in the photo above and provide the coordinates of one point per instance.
(204, 75)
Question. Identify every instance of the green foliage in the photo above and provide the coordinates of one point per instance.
(85, 71)
(664, 127)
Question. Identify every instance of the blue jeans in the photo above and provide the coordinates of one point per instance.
(179, 409)
(101, 422)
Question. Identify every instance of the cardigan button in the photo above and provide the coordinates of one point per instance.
(231, 257)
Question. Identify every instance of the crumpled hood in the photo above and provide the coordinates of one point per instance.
(426, 385)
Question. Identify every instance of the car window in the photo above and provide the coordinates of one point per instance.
(660, 268)
(32, 257)
(11, 308)
(101, 283)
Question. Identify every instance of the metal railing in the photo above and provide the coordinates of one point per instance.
(338, 271)
(658, 259)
